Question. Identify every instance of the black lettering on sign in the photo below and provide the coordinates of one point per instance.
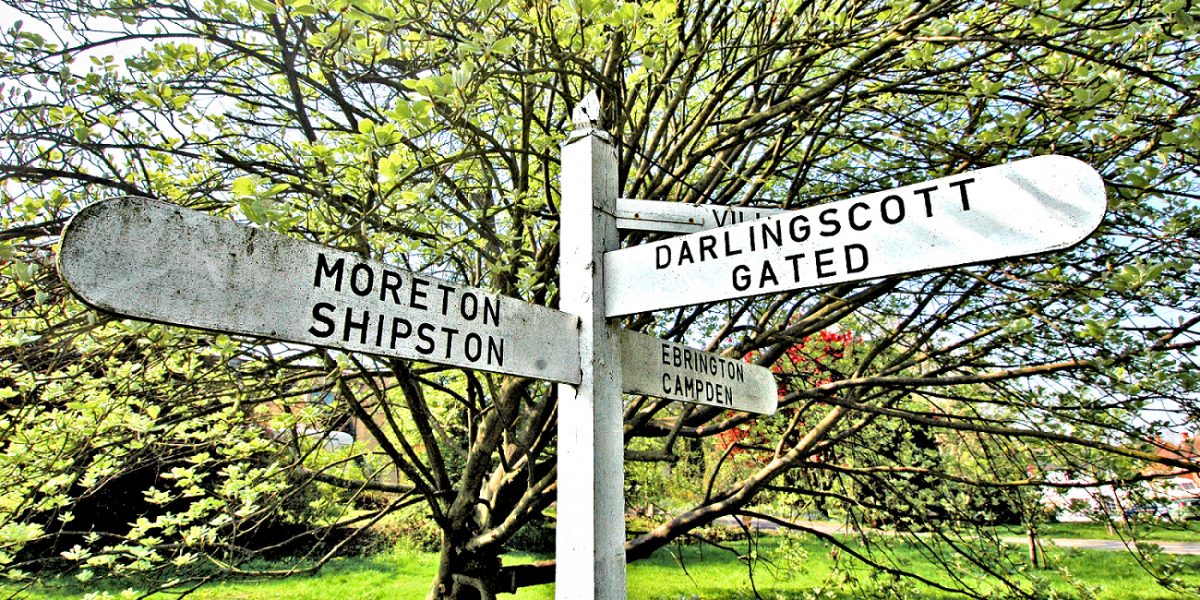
(898, 214)
(491, 311)
(829, 217)
(795, 260)
(349, 324)
(445, 290)
(364, 287)
(417, 290)
(383, 331)
(798, 228)
(495, 351)
(685, 253)
(468, 306)
(318, 313)
(449, 339)
(662, 257)
(854, 223)
(772, 233)
(334, 270)
(707, 245)
(391, 282)
(424, 332)
(821, 263)
(473, 347)
(962, 190)
(741, 278)
(715, 393)
(925, 193)
(856, 253)
(768, 273)
(790, 232)
(729, 251)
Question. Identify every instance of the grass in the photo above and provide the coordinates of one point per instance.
(715, 576)
(388, 575)
(703, 573)
(1157, 531)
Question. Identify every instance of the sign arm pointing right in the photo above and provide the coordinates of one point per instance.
(1026, 207)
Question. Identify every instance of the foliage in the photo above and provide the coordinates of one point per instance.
(412, 529)
(140, 463)
(427, 135)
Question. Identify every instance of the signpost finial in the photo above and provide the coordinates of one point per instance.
(586, 115)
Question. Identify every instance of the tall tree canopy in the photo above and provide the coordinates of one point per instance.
(428, 134)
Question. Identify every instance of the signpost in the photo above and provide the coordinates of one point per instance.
(1021, 208)
(158, 262)
(673, 371)
(590, 529)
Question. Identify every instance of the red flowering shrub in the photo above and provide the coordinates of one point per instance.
(812, 362)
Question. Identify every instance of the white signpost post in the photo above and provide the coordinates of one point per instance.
(590, 529)
(1021, 208)
(158, 262)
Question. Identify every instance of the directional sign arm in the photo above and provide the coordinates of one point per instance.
(1026, 207)
(677, 217)
(158, 262)
(673, 371)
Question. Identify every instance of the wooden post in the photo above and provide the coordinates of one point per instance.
(590, 535)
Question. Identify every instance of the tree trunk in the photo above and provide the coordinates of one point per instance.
(464, 575)
(1035, 554)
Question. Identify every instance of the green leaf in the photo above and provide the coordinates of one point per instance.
(245, 186)
(504, 45)
(263, 6)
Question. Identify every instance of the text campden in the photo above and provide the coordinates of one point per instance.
(797, 228)
(678, 379)
(398, 291)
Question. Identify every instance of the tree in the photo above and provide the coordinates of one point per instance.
(428, 136)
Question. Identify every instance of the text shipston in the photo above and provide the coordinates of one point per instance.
(399, 295)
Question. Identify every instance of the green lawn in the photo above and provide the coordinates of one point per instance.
(1158, 531)
(703, 573)
(389, 575)
(717, 576)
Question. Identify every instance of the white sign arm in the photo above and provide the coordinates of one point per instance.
(1026, 207)
(159, 262)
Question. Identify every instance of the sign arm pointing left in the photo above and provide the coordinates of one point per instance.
(158, 262)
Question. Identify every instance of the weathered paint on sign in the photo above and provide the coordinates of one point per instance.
(673, 371)
(1021, 208)
(159, 262)
(676, 217)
